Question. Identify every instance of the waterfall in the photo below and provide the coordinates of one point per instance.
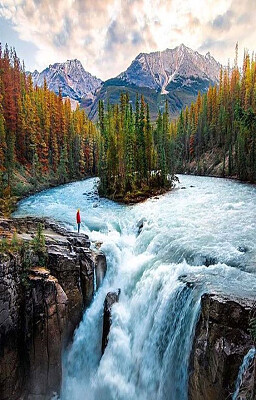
(248, 358)
(149, 343)
(186, 236)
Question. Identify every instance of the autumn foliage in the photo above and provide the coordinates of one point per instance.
(39, 132)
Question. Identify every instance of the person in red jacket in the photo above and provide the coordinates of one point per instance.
(78, 220)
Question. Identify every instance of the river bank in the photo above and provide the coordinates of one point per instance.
(139, 196)
(23, 188)
(211, 164)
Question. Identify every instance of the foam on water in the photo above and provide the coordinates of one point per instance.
(212, 223)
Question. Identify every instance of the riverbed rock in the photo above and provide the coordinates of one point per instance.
(100, 267)
(111, 298)
(222, 339)
(40, 306)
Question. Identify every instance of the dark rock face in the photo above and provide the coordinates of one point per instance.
(140, 224)
(41, 306)
(111, 298)
(11, 376)
(221, 341)
(46, 311)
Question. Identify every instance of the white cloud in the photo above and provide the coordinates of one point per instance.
(107, 34)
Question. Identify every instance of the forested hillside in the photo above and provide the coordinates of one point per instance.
(217, 134)
(42, 141)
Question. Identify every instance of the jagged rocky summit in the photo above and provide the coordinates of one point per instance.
(41, 305)
(158, 69)
(173, 74)
(71, 78)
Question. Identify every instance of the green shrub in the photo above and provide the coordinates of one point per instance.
(15, 243)
(38, 245)
(25, 255)
(3, 245)
(21, 188)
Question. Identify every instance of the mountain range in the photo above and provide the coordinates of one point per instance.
(173, 74)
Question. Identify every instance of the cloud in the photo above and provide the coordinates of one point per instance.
(116, 34)
(223, 22)
(106, 35)
(61, 38)
(213, 45)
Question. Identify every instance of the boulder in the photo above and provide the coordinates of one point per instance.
(111, 298)
(100, 268)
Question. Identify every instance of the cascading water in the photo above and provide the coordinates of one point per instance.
(247, 361)
(208, 224)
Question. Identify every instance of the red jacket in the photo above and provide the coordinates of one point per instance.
(78, 218)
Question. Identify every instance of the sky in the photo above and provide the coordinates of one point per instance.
(106, 35)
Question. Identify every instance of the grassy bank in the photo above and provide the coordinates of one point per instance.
(23, 185)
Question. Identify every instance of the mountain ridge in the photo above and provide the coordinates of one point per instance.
(175, 75)
(163, 66)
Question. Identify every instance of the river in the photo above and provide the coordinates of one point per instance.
(203, 231)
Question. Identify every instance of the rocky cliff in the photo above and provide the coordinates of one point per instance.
(222, 340)
(41, 305)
